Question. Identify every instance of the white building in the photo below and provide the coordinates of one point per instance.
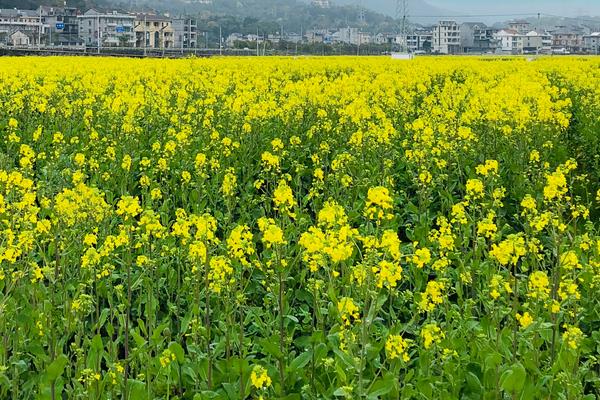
(111, 29)
(477, 37)
(28, 22)
(346, 35)
(186, 33)
(510, 41)
(520, 26)
(537, 42)
(421, 40)
(385, 38)
(294, 37)
(319, 36)
(19, 39)
(591, 43)
(352, 36)
(233, 38)
(446, 38)
(321, 3)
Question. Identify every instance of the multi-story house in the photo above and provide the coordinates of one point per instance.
(537, 42)
(385, 38)
(63, 27)
(27, 22)
(106, 29)
(446, 38)
(234, 38)
(521, 26)
(591, 43)
(319, 36)
(185, 32)
(294, 37)
(509, 41)
(419, 40)
(153, 31)
(477, 37)
(321, 3)
(350, 36)
(567, 39)
(19, 39)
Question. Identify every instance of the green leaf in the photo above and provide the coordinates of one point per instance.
(97, 344)
(513, 379)
(492, 360)
(270, 346)
(231, 390)
(138, 339)
(340, 392)
(382, 386)
(142, 327)
(103, 316)
(345, 358)
(292, 318)
(320, 351)
(205, 395)
(293, 396)
(56, 367)
(176, 349)
(301, 361)
(473, 383)
(137, 390)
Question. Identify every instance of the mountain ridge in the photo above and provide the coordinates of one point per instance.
(388, 7)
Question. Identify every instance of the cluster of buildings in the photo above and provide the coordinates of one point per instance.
(67, 26)
(451, 37)
(519, 37)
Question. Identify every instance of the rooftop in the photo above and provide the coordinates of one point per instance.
(94, 12)
(152, 17)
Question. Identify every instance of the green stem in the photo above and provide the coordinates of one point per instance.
(281, 333)
(127, 313)
(207, 324)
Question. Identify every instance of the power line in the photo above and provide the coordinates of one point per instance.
(474, 15)
(596, 21)
(504, 15)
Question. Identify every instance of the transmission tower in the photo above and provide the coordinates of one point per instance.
(361, 13)
(402, 16)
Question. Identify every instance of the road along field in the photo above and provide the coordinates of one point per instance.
(314, 228)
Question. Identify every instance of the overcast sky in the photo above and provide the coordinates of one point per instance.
(557, 7)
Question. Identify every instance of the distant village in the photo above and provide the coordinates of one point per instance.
(91, 29)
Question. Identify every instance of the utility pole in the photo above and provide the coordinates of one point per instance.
(220, 40)
(162, 45)
(301, 39)
(99, 38)
(40, 30)
(145, 39)
(257, 42)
